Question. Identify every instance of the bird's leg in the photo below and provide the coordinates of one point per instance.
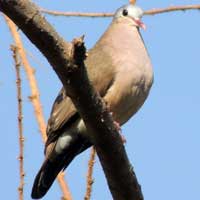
(117, 125)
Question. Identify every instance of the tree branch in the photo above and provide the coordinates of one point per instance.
(67, 61)
(101, 14)
(90, 180)
(35, 98)
(20, 125)
(75, 14)
(172, 9)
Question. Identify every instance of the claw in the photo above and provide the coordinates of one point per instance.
(118, 126)
(120, 131)
(123, 139)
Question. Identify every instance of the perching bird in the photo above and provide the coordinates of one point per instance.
(120, 69)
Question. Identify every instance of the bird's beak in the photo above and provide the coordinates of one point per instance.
(140, 23)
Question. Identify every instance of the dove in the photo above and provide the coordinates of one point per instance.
(120, 69)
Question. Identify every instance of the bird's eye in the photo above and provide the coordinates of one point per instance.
(125, 12)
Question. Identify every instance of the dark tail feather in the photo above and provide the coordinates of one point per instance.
(46, 177)
(50, 169)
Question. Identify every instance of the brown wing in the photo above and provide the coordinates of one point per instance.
(101, 74)
(63, 111)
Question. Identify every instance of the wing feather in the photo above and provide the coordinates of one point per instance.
(63, 111)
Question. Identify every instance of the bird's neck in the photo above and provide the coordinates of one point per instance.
(120, 36)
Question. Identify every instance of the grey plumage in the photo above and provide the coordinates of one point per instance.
(120, 70)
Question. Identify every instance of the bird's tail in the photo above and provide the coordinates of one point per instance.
(46, 176)
(51, 167)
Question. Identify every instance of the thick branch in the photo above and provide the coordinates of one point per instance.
(102, 14)
(67, 61)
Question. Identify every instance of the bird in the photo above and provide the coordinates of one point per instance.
(119, 67)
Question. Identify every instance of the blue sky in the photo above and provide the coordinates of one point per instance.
(163, 138)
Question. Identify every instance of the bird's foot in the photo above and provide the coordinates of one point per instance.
(123, 139)
(120, 131)
(117, 125)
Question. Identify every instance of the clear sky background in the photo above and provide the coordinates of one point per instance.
(163, 138)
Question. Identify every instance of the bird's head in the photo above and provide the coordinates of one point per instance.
(131, 14)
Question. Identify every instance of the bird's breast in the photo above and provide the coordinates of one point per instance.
(133, 97)
(134, 80)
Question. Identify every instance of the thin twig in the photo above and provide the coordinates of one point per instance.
(132, 1)
(20, 125)
(64, 187)
(75, 14)
(171, 9)
(101, 14)
(90, 180)
(35, 98)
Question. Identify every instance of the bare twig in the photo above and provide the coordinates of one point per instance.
(20, 125)
(171, 9)
(64, 187)
(132, 1)
(101, 14)
(90, 180)
(35, 98)
(75, 14)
